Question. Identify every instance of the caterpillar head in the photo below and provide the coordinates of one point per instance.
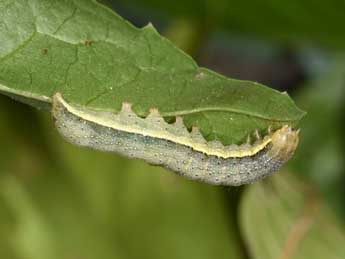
(284, 143)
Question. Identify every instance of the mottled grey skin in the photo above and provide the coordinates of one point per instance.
(178, 158)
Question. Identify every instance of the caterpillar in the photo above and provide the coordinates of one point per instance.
(172, 146)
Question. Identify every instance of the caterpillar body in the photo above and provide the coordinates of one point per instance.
(171, 145)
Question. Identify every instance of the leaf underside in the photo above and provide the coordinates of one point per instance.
(97, 60)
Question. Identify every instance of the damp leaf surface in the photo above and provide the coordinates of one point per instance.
(97, 60)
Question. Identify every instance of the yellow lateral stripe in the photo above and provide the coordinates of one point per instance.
(249, 150)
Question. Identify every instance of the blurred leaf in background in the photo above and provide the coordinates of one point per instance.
(320, 156)
(84, 204)
(283, 218)
(289, 21)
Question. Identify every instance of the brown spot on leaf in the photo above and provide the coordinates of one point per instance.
(88, 43)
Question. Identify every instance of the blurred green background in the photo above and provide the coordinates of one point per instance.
(61, 201)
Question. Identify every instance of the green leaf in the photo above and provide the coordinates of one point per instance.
(98, 60)
(286, 218)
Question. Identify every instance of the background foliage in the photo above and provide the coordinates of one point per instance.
(60, 201)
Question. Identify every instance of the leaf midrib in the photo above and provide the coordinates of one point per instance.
(48, 99)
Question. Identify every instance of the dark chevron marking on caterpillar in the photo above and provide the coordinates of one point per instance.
(172, 145)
